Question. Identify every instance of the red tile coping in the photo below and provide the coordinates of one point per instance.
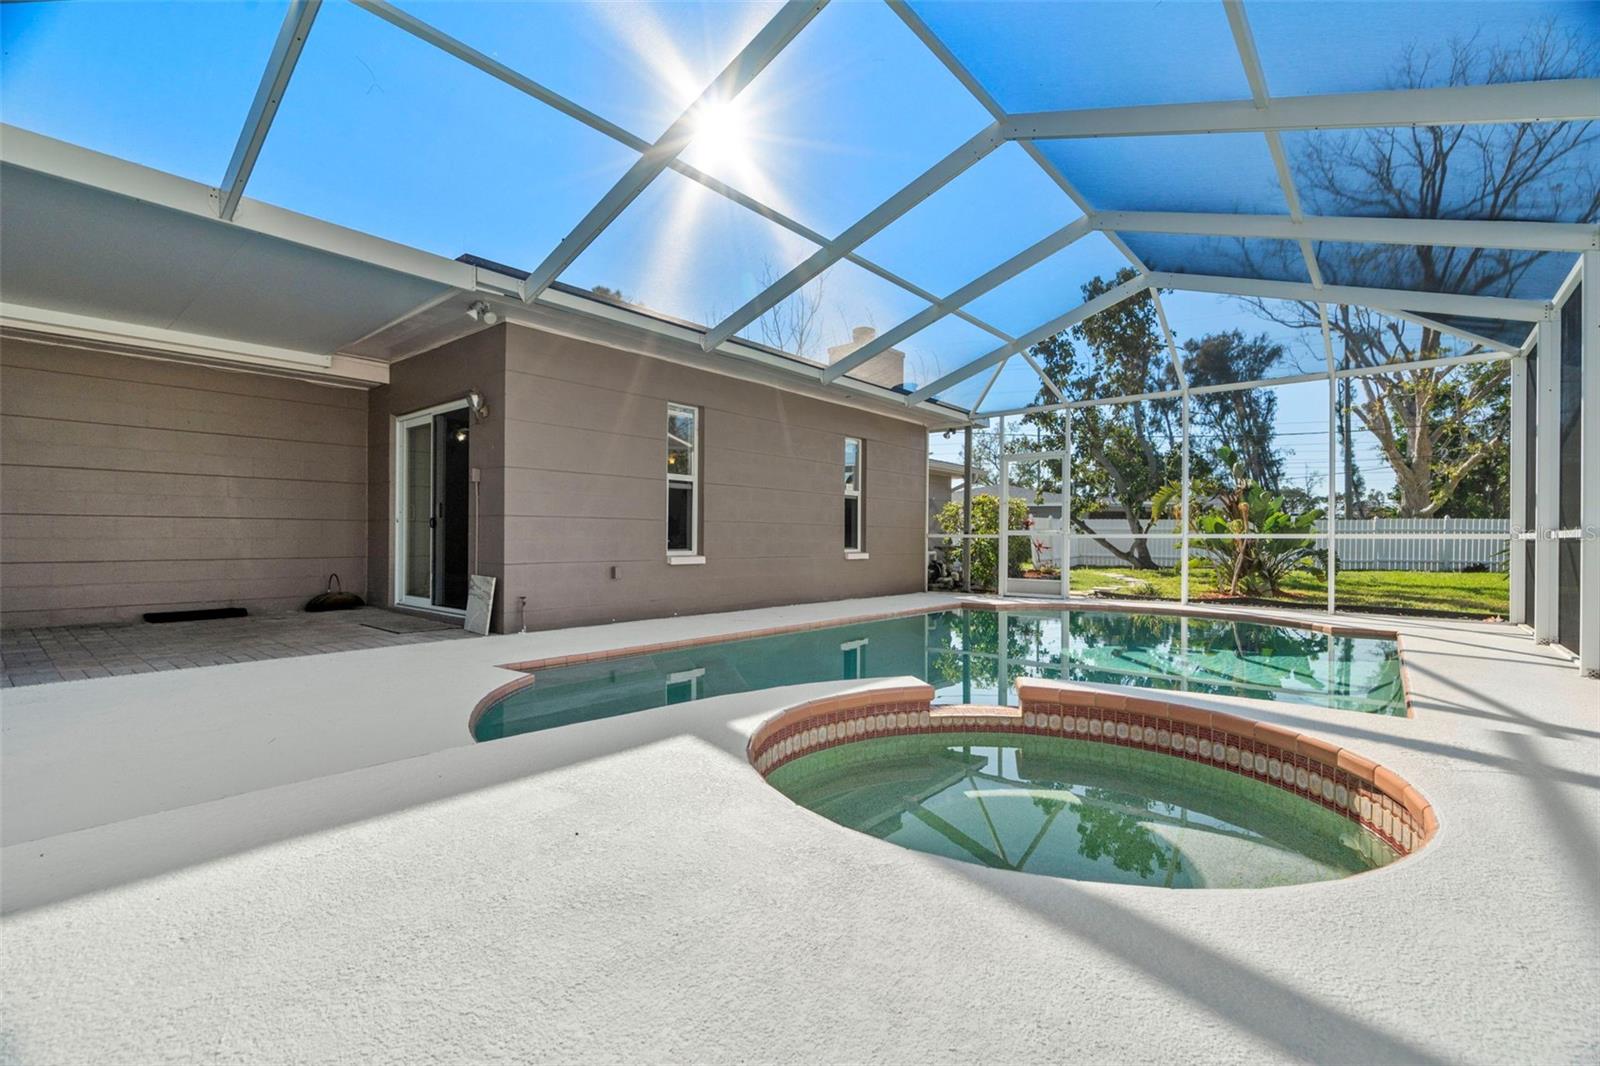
(1372, 796)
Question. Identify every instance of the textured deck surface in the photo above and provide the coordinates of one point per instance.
(309, 861)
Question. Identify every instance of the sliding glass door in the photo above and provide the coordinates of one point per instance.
(432, 494)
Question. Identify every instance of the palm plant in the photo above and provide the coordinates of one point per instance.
(1239, 508)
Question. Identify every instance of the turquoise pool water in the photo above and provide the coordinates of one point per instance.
(974, 656)
(1068, 808)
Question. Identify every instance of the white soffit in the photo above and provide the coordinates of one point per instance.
(84, 251)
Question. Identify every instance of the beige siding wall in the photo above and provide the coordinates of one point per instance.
(131, 485)
(441, 376)
(585, 490)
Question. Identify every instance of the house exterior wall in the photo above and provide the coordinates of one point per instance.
(133, 485)
(585, 490)
(440, 376)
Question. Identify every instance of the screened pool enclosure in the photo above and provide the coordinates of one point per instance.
(1137, 260)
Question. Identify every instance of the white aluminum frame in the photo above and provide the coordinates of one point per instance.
(1589, 563)
(864, 229)
(1517, 558)
(761, 50)
(1003, 559)
(1547, 478)
(1454, 233)
(1548, 101)
(1456, 105)
(398, 501)
(297, 21)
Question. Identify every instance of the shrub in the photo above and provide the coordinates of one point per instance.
(986, 519)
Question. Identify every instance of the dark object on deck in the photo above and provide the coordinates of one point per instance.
(335, 599)
(204, 614)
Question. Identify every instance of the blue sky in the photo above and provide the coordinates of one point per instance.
(387, 135)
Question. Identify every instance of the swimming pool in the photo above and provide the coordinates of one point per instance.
(1072, 808)
(973, 655)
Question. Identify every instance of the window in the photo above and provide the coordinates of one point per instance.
(852, 494)
(684, 686)
(854, 653)
(683, 478)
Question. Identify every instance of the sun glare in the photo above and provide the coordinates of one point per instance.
(721, 134)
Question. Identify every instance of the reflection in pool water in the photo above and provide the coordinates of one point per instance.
(1087, 811)
(974, 656)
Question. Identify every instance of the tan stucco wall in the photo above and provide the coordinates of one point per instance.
(585, 490)
(132, 485)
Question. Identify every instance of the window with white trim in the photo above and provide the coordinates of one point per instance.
(852, 494)
(683, 479)
(854, 666)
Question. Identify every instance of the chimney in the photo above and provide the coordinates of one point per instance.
(887, 368)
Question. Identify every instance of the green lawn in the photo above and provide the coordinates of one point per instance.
(1482, 595)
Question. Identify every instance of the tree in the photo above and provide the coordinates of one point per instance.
(1123, 453)
(791, 326)
(1243, 419)
(1438, 427)
(1488, 171)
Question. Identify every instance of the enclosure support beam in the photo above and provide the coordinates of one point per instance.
(1028, 257)
(1360, 296)
(1589, 572)
(1519, 491)
(1572, 99)
(1333, 458)
(932, 42)
(966, 509)
(1547, 475)
(522, 83)
(879, 218)
(1068, 448)
(1453, 331)
(1109, 298)
(1182, 378)
(269, 94)
(1002, 568)
(1443, 232)
(763, 48)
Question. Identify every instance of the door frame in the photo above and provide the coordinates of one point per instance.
(1031, 586)
(397, 509)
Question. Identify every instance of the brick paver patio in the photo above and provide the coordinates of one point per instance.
(66, 653)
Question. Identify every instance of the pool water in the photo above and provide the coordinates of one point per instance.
(974, 656)
(1087, 811)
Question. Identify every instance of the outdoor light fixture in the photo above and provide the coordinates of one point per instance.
(480, 311)
(461, 435)
(480, 409)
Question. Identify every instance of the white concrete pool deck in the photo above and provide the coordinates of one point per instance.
(309, 861)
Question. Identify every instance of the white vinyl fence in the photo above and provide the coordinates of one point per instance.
(1364, 544)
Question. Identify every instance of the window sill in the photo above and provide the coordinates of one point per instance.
(853, 556)
(686, 560)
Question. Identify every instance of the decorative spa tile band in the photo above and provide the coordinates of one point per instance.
(1371, 796)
